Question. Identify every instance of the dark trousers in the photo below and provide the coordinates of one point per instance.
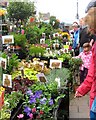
(83, 74)
(76, 51)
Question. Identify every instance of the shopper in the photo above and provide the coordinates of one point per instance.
(86, 59)
(76, 38)
(85, 34)
(89, 84)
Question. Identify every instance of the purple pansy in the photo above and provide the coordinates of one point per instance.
(51, 102)
(29, 92)
(38, 94)
(27, 110)
(32, 99)
(43, 101)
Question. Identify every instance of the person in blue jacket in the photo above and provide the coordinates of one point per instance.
(76, 38)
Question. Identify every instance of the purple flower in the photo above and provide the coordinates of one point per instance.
(43, 101)
(51, 102)
(38, 94)
(29, 92)
(32, 99)
(27, 110)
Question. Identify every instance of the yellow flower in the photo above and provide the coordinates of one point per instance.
(2, 89)
(2, 12)
(65, 34)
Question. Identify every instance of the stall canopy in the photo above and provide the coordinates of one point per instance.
(92, 3)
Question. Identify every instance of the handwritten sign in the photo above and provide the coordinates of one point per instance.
(7, 80)
(8, 39)
(55, 63)
(3, 63)
(41, 77)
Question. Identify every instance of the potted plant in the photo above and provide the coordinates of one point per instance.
(13, 99)
(36, 50)
(75, 64)
(39, 103)
(13, 103)
(12, 63)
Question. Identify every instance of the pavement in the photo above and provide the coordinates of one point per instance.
(79, 108)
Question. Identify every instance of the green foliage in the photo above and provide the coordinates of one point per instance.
(20, 10)
(20, 40)
(50, 87)
(75, 63)
(54, 22)
(13, 99)
(36, 50)
(62, 73)
(46, 28)
(3, 55)
(49, 91)
(48, 42)
(34, 33)
(13, 63)
(65, 56)
(5, 113)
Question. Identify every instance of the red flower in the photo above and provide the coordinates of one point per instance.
(31, 19)
(41, 112)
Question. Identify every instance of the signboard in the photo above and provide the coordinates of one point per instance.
(41, 77)
(7, 80)
(3, 63)
(8, 39)
(42, 41)
(55, 63)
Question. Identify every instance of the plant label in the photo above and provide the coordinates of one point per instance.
(7, 80)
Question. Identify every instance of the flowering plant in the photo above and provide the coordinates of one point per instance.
(37, 105)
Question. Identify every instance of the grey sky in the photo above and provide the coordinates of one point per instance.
(64, 10)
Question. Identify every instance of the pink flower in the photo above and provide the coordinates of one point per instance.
(20, 116)
(33, 109)
(31, 115)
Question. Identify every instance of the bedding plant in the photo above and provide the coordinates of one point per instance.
(39, 103)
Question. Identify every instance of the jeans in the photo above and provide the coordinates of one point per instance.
(92, 115)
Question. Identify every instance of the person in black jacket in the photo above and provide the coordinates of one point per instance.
(86, 34)
(83, 35)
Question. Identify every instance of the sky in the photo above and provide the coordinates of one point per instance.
(64, 10)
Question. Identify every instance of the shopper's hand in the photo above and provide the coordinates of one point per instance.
(77, 94)
(91, 42)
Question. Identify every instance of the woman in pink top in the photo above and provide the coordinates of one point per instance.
(86, 58)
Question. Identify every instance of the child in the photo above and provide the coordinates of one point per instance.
(86, 58)
(89, 84)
